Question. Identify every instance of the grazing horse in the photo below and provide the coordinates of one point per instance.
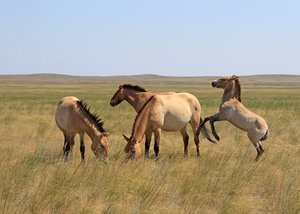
(232, 110)
(72, 117)
(165, 112)
(137, 96)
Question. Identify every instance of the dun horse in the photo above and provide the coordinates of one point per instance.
(136, 96)
(232, 110)
(165, 112)
(72, 117)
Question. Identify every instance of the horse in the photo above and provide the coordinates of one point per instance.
(74, 117)
(231, 109)
(137, 96)
(168, 112)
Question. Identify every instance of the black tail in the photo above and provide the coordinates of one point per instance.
(265, 136)
(203, 130)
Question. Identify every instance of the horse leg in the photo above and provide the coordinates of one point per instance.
(185, 138)
(260, 147)
(201, 125)
(69, 142)
(157, 134)
(67, 148)
(147, 143)
(260, 150)
(65, 143)
(212, 120)
(212, 125)
(194, 125)
(82, 146)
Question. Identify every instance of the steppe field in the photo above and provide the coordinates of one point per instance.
(35, 179)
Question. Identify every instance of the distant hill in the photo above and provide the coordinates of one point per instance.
(252, 80)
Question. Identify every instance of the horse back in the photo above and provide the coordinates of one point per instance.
(174, 111)
(185, 102)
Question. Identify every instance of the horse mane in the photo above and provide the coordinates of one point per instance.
(94, 117)
(134, 87)
(238, 90)
(139, 113)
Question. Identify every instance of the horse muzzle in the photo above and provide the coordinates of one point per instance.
(112, 103)
(214, 83)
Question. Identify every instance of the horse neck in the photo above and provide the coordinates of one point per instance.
(136, 99)
(230, 93)
(141, 124)
(91, 129)
(227, 95)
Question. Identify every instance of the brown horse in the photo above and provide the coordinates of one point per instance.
(72, 117)
(232, 110)
(165, 112)
(137, 96)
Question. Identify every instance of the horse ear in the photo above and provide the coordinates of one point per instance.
(120, 86)
(234, 77)
(126, 138)
(106, 134)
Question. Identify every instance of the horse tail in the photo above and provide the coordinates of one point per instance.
(265, 136)
(204, 131)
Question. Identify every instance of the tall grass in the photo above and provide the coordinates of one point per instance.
(35, 178)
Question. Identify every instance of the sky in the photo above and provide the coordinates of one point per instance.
(165, 37)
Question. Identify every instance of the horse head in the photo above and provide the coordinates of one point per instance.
(132, 148)
(118, 97)
(224, 82)
(125, 91)
(100, 146)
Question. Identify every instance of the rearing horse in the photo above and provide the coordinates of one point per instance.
(184, 103)
(232, 110)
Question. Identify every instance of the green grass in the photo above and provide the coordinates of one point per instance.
(35, 179)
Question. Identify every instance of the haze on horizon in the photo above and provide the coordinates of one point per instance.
(171, 38)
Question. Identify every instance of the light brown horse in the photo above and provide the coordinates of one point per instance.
(72, 117)
(165, 112)
(137, 96)
(232, 110)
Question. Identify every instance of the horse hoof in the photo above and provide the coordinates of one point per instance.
(257, 158)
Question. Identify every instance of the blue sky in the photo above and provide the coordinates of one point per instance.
(166, 37)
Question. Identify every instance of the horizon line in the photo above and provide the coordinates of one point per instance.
(146, 74)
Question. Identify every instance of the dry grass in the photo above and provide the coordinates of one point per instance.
(35, 179)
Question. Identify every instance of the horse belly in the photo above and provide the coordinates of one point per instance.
(175, 122)
(239, 124)
(244, 121)
(237, 115)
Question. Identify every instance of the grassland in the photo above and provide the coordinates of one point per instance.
(35, 179)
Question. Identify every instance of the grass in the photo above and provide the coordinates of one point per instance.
(35, 179)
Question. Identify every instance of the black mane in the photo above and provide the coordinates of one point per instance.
(134, 87)
(95, 118)
(139, 113)
(238, 90)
